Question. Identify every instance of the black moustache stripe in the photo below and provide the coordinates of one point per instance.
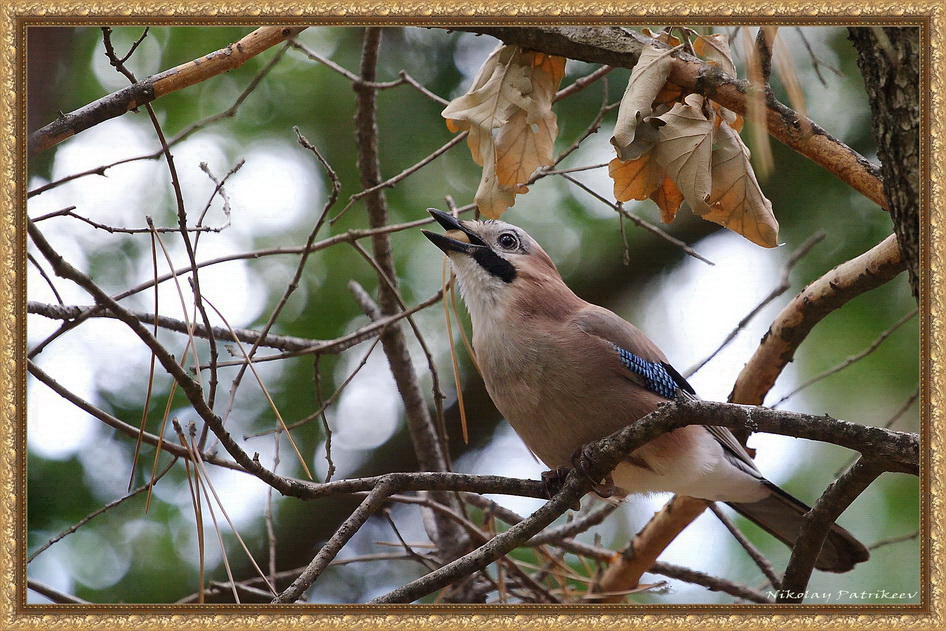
(495, 264)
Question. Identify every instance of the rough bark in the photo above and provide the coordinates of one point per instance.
(889, 59)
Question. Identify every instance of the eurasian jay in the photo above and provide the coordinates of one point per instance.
(565, 373)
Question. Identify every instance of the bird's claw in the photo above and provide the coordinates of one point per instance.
(554, 479)
(602, 488)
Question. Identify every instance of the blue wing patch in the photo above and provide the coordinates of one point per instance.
(659, 377)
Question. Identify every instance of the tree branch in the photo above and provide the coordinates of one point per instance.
(156, 86)
(642, 552)
(817, 524)
(429, 446)
(875, 267)
(898, 451)
(328, 551)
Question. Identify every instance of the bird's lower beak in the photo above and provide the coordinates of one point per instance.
(457, 238)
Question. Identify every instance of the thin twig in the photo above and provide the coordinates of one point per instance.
(850, 360)
(331, 548)
(761, 562)
(42, 272)
(104, 509)
(910, 536)
(297, 276)
(781, 288)
(392, 181)
(640, 223)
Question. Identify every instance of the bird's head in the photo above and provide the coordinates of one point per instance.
(497, 264)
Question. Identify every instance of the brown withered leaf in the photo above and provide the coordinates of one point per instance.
(491, 197)
(522, 148)
(736, 200)
(715, 49)
(551, 64)
(685, 150)
(668, 198)
(635, 179)
(512, 128)
(669, 94)
(662, 36)
(525, 142)
(495, 94)
(647, 79)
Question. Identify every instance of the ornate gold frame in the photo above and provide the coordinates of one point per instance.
(14, 614)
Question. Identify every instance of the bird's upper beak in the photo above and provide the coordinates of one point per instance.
(458, 238)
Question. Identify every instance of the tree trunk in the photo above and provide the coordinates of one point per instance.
(889, 59)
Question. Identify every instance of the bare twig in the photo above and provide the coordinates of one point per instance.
(781, 288)
(850, 360)
(297, 275)
(194, 280)
(392, 181)
(103, 509)
(580, 84)
(875, 267)
(45, 276)
(637, 221)
(761, 562)
(118, 424)
(578, 525)
(328, 552)
(156, 86)
(910, 536)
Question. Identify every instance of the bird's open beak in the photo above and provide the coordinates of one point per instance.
(457, 238)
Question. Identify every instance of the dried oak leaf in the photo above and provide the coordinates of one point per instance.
(635, 179)
(526, 141)
(685, 150)
(647, 80)
(664, 37)
(668, 199)
(736, 200)
(508, 112)
(715, 49)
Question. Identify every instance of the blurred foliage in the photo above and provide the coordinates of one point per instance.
(583, 237)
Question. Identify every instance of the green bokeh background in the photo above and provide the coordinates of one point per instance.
(586, 241)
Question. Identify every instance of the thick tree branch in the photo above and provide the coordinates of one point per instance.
(429, 446)
(898, 451)
(620, 47)
(156, 86)
(642, 552)
(890, 61)
(875, 267)
(818, 524)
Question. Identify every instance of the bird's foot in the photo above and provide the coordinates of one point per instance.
(603, 488)
(554, 479)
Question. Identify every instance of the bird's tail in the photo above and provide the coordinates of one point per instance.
(780, 515)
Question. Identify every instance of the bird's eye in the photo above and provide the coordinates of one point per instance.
(508, 241)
